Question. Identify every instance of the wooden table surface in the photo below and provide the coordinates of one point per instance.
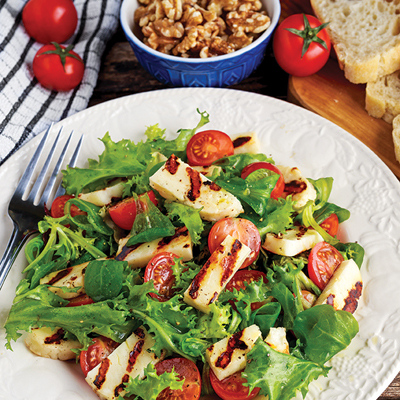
(121, 75)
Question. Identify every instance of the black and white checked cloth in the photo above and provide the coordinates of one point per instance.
(26, 108)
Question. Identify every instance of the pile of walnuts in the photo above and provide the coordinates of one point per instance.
(200, 28)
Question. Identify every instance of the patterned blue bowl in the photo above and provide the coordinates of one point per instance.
(219, 71)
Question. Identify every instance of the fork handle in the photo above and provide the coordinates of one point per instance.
(14, 245)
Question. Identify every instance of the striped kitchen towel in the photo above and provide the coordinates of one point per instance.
(26, 108)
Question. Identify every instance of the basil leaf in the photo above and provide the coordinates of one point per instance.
(104, 279)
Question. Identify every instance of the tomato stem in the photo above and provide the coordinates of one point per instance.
(309, 35)
(62, 52)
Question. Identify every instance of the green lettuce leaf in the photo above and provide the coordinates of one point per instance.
(189, 216)
(40, 307)
(150, 223)
(153, 384)
(279, 375)
(324, 331)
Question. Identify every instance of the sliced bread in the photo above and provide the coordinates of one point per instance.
(382, 98)
(365, 35)
(396, 137)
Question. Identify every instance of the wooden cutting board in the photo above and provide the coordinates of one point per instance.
(329, 94)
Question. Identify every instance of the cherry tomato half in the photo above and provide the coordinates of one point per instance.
(50, 21)
(331, 224)
(187, 370)
(288, 46)
(208, 146)
(246, 276)
(96, 353)
(81, 300)
(231, 388)
(58, 68)
(239, 228)
(159, 270)
(280, 185)
(322, 262)
(124, 212)
(57, 207)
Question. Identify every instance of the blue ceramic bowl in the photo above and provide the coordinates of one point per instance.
(219, 71)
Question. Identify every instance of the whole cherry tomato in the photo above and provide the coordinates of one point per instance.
(185, 369)
(301, 45)
(58, 68)
(239, 228)
(96, 353)
(322, 262)
(208, 146)
(232, 388)
(159, 270)
(280, 185)
(50, 21)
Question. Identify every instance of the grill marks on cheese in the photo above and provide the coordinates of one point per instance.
(178, 181)
(216, 273)
(140, 254)
(108, 379)
(235, 342)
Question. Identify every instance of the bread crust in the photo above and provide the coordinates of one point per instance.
(365, 35)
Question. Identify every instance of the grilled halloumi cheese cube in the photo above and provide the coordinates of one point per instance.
(277, 340)
(292, 242)
(139, 255)
(70, 277)
(50, 343)
(245, 143)
(129, 359)
(216, 273)
(301, 188)
(344, 288)
(178, 181)
(104, 196)
(229, 354)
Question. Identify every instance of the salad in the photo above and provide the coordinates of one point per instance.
(179, 268)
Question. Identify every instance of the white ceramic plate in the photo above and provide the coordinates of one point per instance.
(294, 137)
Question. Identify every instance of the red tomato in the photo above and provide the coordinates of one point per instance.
(305, 51)
(57, 208)
(50, 21)
(280, 185)
(81, 300)
(238, 282)
(58, 68)
(208, 146)
(96, 353)
(239, 228)
(124, 212)
(322, 262)
(187, 370)
(331, 224)
(159, 270)
(231, 388)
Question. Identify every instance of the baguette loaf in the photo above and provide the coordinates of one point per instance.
(396, 137)
(382, 98)
(365, 35)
